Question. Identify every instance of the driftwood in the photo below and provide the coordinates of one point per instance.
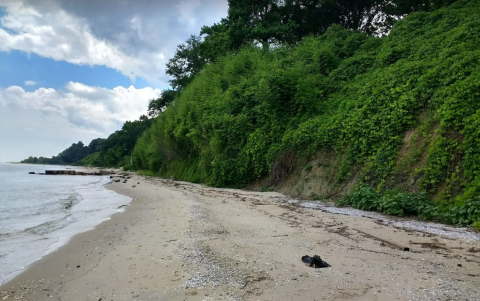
(427, 243)
(392, 244)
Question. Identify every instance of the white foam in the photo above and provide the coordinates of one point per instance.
(34, 220)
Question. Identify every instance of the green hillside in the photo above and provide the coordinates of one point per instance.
(383, 123)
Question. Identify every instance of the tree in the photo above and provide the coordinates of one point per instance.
(95, 145)
(216, 42)
(190, 58)
(257, 22)
(314, 17)
(288, 21)
(120, 144)
(158, 105)
(186, 63)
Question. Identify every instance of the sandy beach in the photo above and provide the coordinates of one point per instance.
(182, 241)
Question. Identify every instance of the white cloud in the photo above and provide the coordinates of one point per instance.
(92, 108)
(187, 15)
(30, 83)
(61, 36)
(25, 132)
(135, 38)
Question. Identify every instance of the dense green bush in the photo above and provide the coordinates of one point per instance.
(391, 202)
(466, 212)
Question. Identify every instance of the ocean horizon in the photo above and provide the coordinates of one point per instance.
(39, 214)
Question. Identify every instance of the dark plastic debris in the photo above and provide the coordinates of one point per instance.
(315, 261)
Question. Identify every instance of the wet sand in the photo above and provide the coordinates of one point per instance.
(181, 241)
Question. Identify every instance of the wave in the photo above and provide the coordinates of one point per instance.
(50, 226)
(71, 201)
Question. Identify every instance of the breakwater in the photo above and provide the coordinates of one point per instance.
(74, 173)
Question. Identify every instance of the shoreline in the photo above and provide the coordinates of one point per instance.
(82, 222)
(41, 214)
(183, 241)
(79, 254)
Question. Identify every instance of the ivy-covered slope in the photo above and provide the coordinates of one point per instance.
(395, 115)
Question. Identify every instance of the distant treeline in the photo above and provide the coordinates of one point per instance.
(117, 149)
(110, 152)
(74, 153)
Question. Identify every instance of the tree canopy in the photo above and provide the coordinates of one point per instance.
(284, 22)
(158, 105)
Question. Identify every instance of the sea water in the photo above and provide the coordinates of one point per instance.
(40, 213)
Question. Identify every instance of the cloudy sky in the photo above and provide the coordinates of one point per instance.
(75, 70)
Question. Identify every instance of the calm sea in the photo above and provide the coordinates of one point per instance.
(39, 213)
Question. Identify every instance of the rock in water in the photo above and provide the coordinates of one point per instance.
(315, 261)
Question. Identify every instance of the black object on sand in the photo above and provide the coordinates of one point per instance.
(315, 261)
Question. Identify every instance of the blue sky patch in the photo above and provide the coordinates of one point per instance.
(16, 67)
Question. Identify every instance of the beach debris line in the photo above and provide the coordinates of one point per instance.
(315, 261)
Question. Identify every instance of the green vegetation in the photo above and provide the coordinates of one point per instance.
(240, 118)
(117, 149)
(317, 197)
(74, 153)
(391, 202)
(270, 23)
(395, 202)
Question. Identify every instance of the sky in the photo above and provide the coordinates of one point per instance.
(76, 70)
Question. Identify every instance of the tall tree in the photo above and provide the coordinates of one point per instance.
(190, 58)
(216, 41)
(257, 22)
(186, 63)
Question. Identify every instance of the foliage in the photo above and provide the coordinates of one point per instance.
(158, 105)
(257, 22)
(91, 160)
(391, 202)
(345, 91)
(186, 63)
(37, 160)
(399, 203)
(215, 42)
(266, 189)
(72, 154)
(117, 149)
(268, 23)
(317, 197)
